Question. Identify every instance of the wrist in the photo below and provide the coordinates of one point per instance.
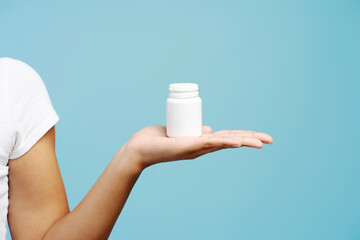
(125, 161)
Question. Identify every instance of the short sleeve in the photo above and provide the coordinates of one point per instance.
(30, 108)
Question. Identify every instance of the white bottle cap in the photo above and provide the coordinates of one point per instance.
(183, 87)
(183, 90)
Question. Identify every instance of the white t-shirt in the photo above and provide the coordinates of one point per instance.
(26, 114)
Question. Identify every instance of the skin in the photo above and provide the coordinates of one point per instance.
(38, 206)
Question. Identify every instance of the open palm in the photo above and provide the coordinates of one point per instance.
(151, 145)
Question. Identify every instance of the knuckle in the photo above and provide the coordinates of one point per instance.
(207, 142)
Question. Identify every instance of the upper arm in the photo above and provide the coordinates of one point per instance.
(37, 197)
(36, 192)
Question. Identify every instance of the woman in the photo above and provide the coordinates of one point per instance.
(31, 188)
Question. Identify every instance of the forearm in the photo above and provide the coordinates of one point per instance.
(95, 216)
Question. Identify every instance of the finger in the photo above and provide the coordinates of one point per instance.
(239, 141)
(203, 142)
(250, 142)
(266, 138)
(209, 141)
(194, 144)
(206, 129)
(210, 150)
(201, 145)
(203, 152)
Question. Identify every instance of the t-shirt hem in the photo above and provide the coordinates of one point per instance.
(40, 131)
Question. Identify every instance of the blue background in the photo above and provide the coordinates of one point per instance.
(288, 68)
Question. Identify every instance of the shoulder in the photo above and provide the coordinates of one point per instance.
(31, 112)
(21, 76)
(16, 67)
(12, 62)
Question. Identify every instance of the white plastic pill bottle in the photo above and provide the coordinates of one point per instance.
(183, 110)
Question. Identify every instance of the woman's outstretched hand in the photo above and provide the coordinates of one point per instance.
(151, 145)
